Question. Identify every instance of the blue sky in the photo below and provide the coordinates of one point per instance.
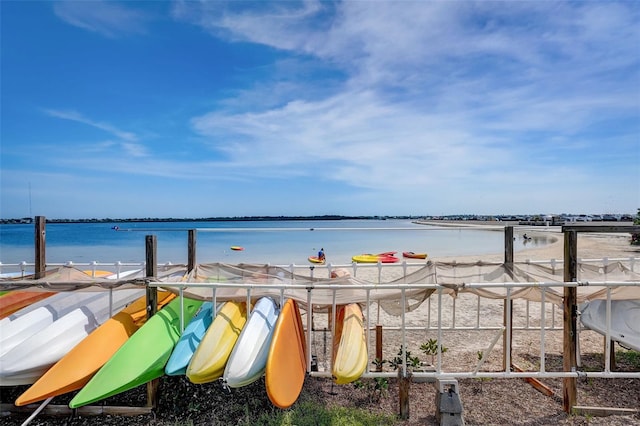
(198, 109)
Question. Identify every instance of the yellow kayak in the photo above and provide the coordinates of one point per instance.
(212, 354)
(349, 345)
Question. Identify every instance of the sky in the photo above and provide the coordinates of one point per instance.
(195, 109)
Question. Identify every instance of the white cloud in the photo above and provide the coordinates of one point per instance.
(77, 117)
(108, 18)
(432, 91)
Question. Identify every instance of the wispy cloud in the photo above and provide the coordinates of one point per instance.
(108, 18)
(77, 117)
(428, 91)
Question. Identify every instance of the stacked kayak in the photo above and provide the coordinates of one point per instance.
(287, 359)
(76, 368)
(142, 357)
(189, 341)
(211, 355)
(13, 301)
(248, 360)
(349, 344)
(62, 321)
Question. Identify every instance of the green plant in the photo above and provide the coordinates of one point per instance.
(399, 359)
(431, 348)
(631, 357)
(377, 387)
(379, 363)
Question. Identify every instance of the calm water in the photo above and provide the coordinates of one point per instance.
(275, 242)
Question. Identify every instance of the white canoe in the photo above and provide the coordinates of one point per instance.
(248, 359)
(26, 361)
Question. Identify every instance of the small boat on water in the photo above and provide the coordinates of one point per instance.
(237, 248)
(412, 255)
(315, 259)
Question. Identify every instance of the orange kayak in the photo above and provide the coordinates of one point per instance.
(77, 367)
(18, 299)
(412, 255)
(287, 361)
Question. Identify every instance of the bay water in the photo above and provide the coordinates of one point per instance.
(278, 242)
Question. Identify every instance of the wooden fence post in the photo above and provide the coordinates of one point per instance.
(379, 347)
(404, 383)
(191, 250)
(40, 247)
(570, 317)
(507, 335)
(151, 245)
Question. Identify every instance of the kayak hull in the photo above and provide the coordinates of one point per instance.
(142, 357)
(248, 359)
(75, 369)
(31, 358)
(211, 356)
(189, 341)
(412, 255)
(287, 360)
(350, 356)
(316, 259)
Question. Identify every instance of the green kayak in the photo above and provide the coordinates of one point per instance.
(143, 356)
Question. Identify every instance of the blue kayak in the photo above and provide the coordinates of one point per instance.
(189, 341)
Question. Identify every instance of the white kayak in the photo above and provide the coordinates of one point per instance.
(29, 359)
(248, 359)
(27, 321)
(24, 323)
(625, 320)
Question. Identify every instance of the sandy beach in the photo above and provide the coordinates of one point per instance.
(485, 401)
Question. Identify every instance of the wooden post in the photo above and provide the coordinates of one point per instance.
(508, 328)
(152, 306)
(191, 250)
(570, 318)
(403, 389)
(508, 245)
(379, 347)
(40, 246)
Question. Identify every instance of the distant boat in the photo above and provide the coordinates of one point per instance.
(412, 255)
